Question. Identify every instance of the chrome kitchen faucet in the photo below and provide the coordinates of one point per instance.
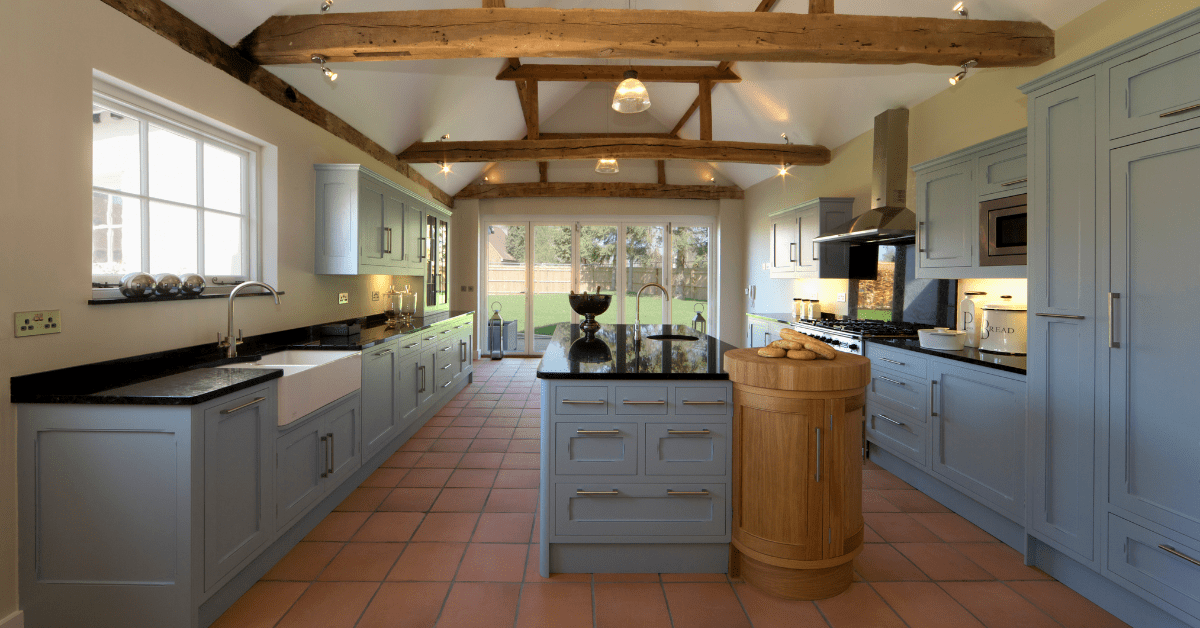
(229, 344)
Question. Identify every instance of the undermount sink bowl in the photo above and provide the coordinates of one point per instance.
(671, 337)
(311, 379)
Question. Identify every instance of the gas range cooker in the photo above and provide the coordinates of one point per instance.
(849, 336)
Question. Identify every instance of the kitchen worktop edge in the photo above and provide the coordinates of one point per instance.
(969, 355)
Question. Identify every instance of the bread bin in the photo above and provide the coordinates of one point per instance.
(1003, 328)
(942, 338)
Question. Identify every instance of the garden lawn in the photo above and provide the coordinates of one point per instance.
(551, 309)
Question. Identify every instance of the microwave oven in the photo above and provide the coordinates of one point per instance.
(1003, 231)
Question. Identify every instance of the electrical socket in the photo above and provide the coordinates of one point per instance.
(343, 298)
(37, 323)
(841, 297)
(374, 295)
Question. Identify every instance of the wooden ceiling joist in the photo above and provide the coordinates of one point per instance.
(630, 148)
(616, 73)
(582, 136)
(819, 6)
(615, 33)
(601, 190)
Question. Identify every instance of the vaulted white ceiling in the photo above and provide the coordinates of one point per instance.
(396, 103)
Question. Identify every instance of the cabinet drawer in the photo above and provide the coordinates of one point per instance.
(898, 360)
(595, 448)
(1155, 90)
(581, 400)
(641, 399)
(686, 448)
(1138, 555)
(898, 433)
(690, 400)
(909, 395)
(625, 510)
(409, 344)
(1003, 172)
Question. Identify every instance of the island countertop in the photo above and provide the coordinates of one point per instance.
(626, 352)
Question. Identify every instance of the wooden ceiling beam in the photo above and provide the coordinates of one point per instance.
(616, 73)
(630, 148)
(819, 6)
(706, 110)
(615, 33)
(662, 171)
(589, 136)
(527, 91)
(604, 190)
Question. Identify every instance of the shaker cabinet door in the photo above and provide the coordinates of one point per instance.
(946, 217)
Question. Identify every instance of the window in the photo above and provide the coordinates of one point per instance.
(169, 194)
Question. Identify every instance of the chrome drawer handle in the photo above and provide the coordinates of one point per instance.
(1014, 182)
(932, 383)
(643, 403)
(583, 492)
(1070, 316)
(447, 384)
(892, 361)
(1174, 552)
(688, 402)
(384, 352)
(892, 381)
(431, 338)
(446, 367)
(670, 431)
(1175, 113)
(582, 401)
(702, 492)
(889, 420)
(325, 442)
(447, 348)
(415, 344)
(244, 405)
(1112, 339)
(597, 431)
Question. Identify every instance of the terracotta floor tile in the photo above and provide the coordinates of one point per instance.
(304, 562)
(912, 500)
(925, 605)
(952, 528)
(405, 605)
(460, 432)
(384, 477)
(446, 527)
(362, 562)
(439, 460)
(555, 605)
(998, 606)
(480, 605)
(530, 420)
(428, 562)
(882, 480)
(1068, 607)
(532, 573)
(940, 561)
(524, 446)
(703, 604)
(872, 501)
(527, 432)
(493, 562)
(517, 478)
(493, 445)
(265, 603)
(511, 403)
(389, 527)
(449, 411)
(623, 605)
(495, 432)
(417, 444)
(460, 500)
(480, 413)
(521, 461)
(504, 527)
(481, 403)
(768, 611)
(627, 577)
(500, 421)
(472, 478)
(871, 536)
(859, 607)
(488, 396)
(879, 562)
(506, 413)
(442, 420)
(404, 459)
(444, 445)
(1000, 560)
(426, 477)
(515, 396)
(693, 577)
(512, 500)
(338, 526)
(897, 528)
(481, 461)
(428, 432)
(330, 605)
(410, 499)
(364, 499)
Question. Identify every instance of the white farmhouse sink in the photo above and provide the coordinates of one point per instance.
(311, 379)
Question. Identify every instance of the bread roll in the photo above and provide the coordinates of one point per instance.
(772, 352)
(797, 354)
(786, 344)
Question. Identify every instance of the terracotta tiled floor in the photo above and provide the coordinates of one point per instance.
(445, 534)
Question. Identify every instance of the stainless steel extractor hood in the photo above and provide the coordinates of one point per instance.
(888, 221)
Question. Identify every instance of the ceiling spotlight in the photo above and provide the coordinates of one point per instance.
(444, 137)
(783, 170)
(485, 179)
(607, 165)
(960, 8)
(326, 5)
(329, 74)
(631, 95)
(785, 138)
(962, 74)
(444, 167)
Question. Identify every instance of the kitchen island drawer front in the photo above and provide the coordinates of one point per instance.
(1155, 90)
(708, 400)
(631, 510)
(595, 448)
(581, 400)
(896, 360)
(898, 433)
(686, 448)
(409, 344)
(1144, 558)
(909, 395)
(641, 399)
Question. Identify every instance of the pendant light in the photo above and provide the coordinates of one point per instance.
(607, 165)
(631, 95)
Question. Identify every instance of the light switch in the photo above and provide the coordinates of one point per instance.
(343, 298)
(375, 295)
(37, 323)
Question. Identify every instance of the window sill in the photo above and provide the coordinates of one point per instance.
(124, 300)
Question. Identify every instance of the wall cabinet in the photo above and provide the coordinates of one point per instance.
(793, 252)
(315, 457)
(761, 332)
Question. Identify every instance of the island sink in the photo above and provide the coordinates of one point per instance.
(311, 379)
(671, 337)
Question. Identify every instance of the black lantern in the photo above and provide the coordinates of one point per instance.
(698, 322)
(496, 333)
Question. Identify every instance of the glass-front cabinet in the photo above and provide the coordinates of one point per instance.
(437, 233)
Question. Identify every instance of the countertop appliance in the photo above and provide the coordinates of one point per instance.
(1003, 231)
(1004, 328)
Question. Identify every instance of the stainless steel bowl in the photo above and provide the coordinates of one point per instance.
(193, 284)
(137, 284)
(167, 285)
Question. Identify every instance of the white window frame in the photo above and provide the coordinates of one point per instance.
(188, 124)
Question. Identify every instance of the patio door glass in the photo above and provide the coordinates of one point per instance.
(507, 274)
(644, 264)
(598, 266)
(552, 271)
(689, 273)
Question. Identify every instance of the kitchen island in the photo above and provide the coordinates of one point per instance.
(635, 451)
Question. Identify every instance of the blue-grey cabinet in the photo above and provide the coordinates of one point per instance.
(1156, 89)
(794, 254)
(380, 419)
(409, 381)
(1002, 173)
(945, 207)
(314, 456)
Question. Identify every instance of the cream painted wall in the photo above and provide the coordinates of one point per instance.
(986, 105)
(46, 168)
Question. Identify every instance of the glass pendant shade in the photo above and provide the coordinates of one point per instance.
(607, 165)
(631, 95)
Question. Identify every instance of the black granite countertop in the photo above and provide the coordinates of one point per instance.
(185, 377)
(784, 317)
(617, 352)
(970, 355)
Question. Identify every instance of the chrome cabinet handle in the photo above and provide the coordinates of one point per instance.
(701, 492)
(689, 402)
(1070, 316)
(1112, 328)
(415, 344)
(447, 384)
(1175, 552)
(1175, 113)
(671, 431)
(421, 249)
(818, 454)
(585, 401)
(462, 351)
(889, 420)
(244, 405)
(446, 367)
(920, 227)
(331, 452)
(814, 251)
(892, 381)
(583, 492)
(892, 361)
(932, 383)
(384, 352)
(643, 403)
(792, 252)
(432, 338)
(597, 432)
(421, 370)
(387, 231)
(325, 443)
(446, 348)
(1014, 182)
